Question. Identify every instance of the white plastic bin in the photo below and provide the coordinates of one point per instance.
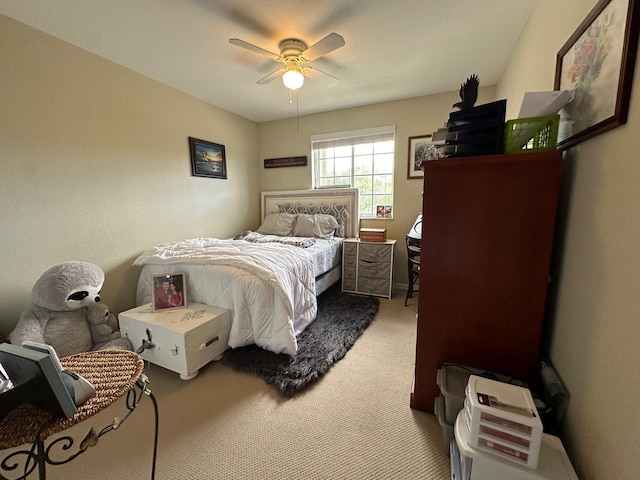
(447, 429)
(502, 419)
(452, 379)
(553, 463)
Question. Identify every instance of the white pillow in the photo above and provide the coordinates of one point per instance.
(338, 211)
(320, 226)
(278, 224)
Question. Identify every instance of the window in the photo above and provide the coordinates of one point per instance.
(357, 158)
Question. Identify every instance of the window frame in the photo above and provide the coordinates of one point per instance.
(353, 139)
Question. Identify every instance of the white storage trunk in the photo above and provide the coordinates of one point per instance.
(468, 463)
(182, 340)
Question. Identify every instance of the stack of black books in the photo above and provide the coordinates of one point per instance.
(473, 131)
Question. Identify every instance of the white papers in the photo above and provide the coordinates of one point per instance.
(540, 104)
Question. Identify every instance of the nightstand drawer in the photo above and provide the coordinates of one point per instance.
(349, 261)
(350, 249)
(374, 286)
(371, 252)
(349, 284)
(374, 269)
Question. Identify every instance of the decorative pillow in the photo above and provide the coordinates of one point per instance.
(278, 224)
(319, 226)
(339, 212)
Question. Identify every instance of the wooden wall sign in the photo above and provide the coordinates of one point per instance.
(285, 162)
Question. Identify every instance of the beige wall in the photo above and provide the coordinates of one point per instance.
(594, 329)
(412, 117)
(94, 165)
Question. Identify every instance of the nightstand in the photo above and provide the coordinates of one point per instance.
(367, 267)
(182, 339)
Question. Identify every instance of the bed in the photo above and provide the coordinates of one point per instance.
(267, 279)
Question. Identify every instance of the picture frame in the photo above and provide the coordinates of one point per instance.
(418, 150)
(34, 379)
(384, 211)
(597, 63)
(169, 291)
(208, 159)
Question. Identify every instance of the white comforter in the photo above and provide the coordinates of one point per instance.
(269, 288)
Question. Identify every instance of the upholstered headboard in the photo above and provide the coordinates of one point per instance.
(272, 202)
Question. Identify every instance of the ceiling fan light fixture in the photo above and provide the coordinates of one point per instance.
(295, 55)
(293, 79)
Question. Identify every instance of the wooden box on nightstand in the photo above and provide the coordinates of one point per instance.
(182, 340)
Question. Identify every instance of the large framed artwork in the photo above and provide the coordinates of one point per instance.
(418, 150)
(208, 159)
(597, 63)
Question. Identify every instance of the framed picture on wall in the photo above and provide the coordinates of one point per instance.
(418, 149)
(383, 211)
(597, 63)
(208, 159)
(169, 291)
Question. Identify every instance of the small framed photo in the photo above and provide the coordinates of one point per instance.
(383, 211)
(208, 159)
(418, 151)
(169, 291)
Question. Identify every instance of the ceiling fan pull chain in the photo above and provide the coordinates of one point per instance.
(297, 115)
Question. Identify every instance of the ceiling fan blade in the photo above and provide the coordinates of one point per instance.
(314, 73)
(271, 77)
(249, 46)
(328, 44)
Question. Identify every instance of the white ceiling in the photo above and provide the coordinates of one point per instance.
(394, 49)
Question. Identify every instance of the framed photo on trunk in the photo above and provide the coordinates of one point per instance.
(169, 291)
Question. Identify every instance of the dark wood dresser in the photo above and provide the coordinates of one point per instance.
(487, 235)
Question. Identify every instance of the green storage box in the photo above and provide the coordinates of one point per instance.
(533, 134)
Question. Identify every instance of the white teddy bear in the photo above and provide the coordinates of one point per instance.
(58, 315)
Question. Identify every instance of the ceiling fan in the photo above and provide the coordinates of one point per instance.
(295, 55)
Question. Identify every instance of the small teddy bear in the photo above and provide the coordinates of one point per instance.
(103, 324)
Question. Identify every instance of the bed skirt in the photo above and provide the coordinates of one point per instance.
(327, 279)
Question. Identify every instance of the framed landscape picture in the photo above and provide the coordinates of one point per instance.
(208, 159)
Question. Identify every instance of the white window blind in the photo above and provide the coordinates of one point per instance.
(357, 158)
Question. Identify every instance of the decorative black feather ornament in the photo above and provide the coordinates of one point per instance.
(468, 93)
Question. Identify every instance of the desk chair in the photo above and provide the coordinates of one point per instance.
(413, 264)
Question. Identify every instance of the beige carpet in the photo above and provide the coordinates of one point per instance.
(355, 423)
